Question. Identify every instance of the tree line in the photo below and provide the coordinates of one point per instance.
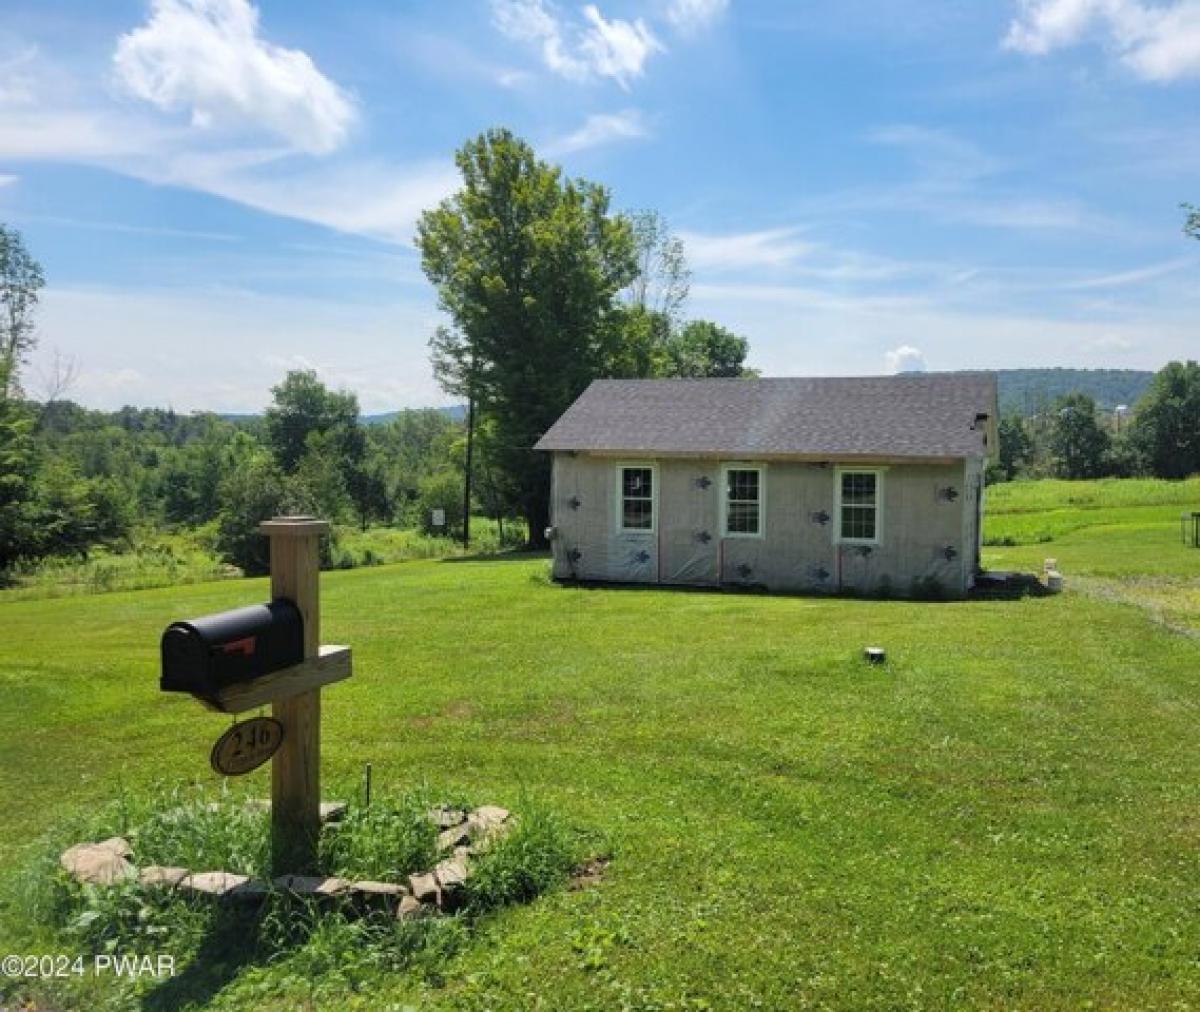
(72, 479)
(1070, 437)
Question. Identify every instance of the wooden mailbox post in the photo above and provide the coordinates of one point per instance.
(243, 659)
(295, 696)
(296, 766)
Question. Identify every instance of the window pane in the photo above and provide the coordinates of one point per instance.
(858, 522)
(858, 489)
(638, 515)
(742, 485)
(637, 481)
(742, 518)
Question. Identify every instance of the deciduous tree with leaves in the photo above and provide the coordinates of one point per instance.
(703, 348)
(21, 280)
(528, 265)
(1078, 444)
(1166, 428)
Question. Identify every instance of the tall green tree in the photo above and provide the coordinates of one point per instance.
(303, 407)
(253, 492)
(528, 266)
(702, 349)
(17, 470)
(1166, 425)
(1077, 442)
(1191, 224)
(1015, 451)
(21, 280)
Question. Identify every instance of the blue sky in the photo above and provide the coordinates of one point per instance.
(220, 191)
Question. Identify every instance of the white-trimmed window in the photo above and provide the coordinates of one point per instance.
(637, 491)
(859, 505)
(743, 505)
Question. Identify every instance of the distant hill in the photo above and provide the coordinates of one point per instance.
(1024, 391)
(455, 412)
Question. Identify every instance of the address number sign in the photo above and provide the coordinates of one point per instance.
(246, 746)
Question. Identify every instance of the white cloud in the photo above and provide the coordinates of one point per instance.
(906, 358)
(616, 49)
(1135, 276)
(1157, 42)
(17, 85)
(6, 180)
(599, 129)
(375, 198)
(378, 199)
(207, 57)
(776, 247)
(691, 16)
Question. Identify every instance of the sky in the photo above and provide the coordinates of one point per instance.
(220, 190)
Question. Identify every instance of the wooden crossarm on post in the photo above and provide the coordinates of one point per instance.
(332, 664)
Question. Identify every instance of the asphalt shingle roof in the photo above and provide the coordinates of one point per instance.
(910, 415)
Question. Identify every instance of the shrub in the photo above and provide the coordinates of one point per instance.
(442, 490)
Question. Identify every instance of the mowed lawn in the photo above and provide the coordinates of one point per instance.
(1005, 815)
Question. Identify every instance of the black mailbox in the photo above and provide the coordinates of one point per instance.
(206, 654)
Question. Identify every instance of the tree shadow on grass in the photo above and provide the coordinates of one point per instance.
(229, 947)
(1018, 586)
(515, 555)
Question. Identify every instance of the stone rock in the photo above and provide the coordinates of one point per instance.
(96, 864)
(488, 823)
(164, 876)
(455, 836)
(447, 818)
(118, 845)
(213, 883)
(452, 873)
(425, 888)
(332, 811)
(452, 879)
(368, 895)
(491, 815)
(313, 885)
(369, 888)
(411, 908)
(253, 891)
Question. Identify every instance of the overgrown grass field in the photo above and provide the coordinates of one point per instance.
(168, 559)
(1005, 815)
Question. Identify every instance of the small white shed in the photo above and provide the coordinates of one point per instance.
(871, 485)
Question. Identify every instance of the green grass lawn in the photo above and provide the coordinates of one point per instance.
(1006, 815)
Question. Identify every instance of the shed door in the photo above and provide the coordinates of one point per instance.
(689, 515)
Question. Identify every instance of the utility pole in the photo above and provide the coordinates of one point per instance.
(467, 476)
